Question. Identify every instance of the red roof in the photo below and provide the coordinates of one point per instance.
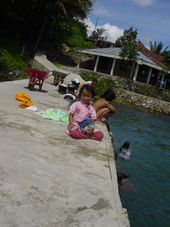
(158, 59)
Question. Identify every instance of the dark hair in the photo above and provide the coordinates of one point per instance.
(126, 145)
(88, 88)
(109, 95)
(121, 176)
(94, 80)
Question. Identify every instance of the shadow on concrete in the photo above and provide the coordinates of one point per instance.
(36, 89)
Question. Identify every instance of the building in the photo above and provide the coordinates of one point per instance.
(107, 60)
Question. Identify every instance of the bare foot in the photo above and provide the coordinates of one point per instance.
(93, 138)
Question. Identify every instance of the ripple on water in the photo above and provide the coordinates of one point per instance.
(148, 204)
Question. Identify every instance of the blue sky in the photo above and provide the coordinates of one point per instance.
(151, 18)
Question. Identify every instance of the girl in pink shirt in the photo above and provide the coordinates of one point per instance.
(81, 112)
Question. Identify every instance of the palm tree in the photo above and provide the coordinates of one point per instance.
(158, 48)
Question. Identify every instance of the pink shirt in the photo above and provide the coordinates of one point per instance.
(81, 112)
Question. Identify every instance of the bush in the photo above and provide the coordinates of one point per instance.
(102, 84)
(11, 62)
(152, 91)
(79, 42)
(76, 39)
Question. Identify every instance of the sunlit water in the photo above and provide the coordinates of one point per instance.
(148, 203)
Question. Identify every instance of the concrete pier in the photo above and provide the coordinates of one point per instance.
(48, 179)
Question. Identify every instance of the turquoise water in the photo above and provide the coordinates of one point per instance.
(148, 203)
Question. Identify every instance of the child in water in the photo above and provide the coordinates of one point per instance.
(103, 105)
(124, 151)
(82, 116)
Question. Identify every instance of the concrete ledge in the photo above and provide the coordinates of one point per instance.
(47, 178)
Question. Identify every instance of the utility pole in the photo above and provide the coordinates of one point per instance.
(96, 23)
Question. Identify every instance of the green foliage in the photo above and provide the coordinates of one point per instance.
(129, 52)
(81, 26)
(155, 92)
(128, 44)
(158, 48)
(34, 22)
(129, 36)
(8, 61)
(102, 83)
(129, 47)
(40, 24)
(98, 34)
(166, 60)
(78, 41)
(78, 31)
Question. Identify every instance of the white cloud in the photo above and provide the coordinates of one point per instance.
(90, 26)
(144, 2)
(111, 32)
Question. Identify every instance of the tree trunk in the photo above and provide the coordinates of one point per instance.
(40, 33)
(132, 70)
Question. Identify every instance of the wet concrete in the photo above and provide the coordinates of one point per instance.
(48, 179)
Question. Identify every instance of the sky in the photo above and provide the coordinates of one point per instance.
(151, 18)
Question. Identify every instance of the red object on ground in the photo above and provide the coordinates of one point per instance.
(36, 77)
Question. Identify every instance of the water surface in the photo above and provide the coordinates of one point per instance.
(148, 204)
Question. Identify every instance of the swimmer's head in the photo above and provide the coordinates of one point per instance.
(126, 145)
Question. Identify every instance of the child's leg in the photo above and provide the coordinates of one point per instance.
(77, 134)
(98, 135)
(104, 112)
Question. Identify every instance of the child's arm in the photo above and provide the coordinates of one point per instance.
(72, 110)
(110, 107)
(70, 117)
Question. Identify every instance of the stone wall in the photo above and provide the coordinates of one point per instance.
(147, 102)
(137, 87)
(143, 89)
(131, 92)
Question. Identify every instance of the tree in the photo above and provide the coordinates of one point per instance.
(129, 47)
(77, 35)
(98, 34)
(67, 8)
(166, 60)
(129, 36)
(34, 22)
(158, 48)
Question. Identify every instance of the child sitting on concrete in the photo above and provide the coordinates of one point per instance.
(103, 105)
(82, 116)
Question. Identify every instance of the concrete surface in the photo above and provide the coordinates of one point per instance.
(42, 59)
(48, 179)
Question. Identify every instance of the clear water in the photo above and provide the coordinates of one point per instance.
(148, 204)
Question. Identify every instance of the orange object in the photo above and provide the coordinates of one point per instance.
(25, 100)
